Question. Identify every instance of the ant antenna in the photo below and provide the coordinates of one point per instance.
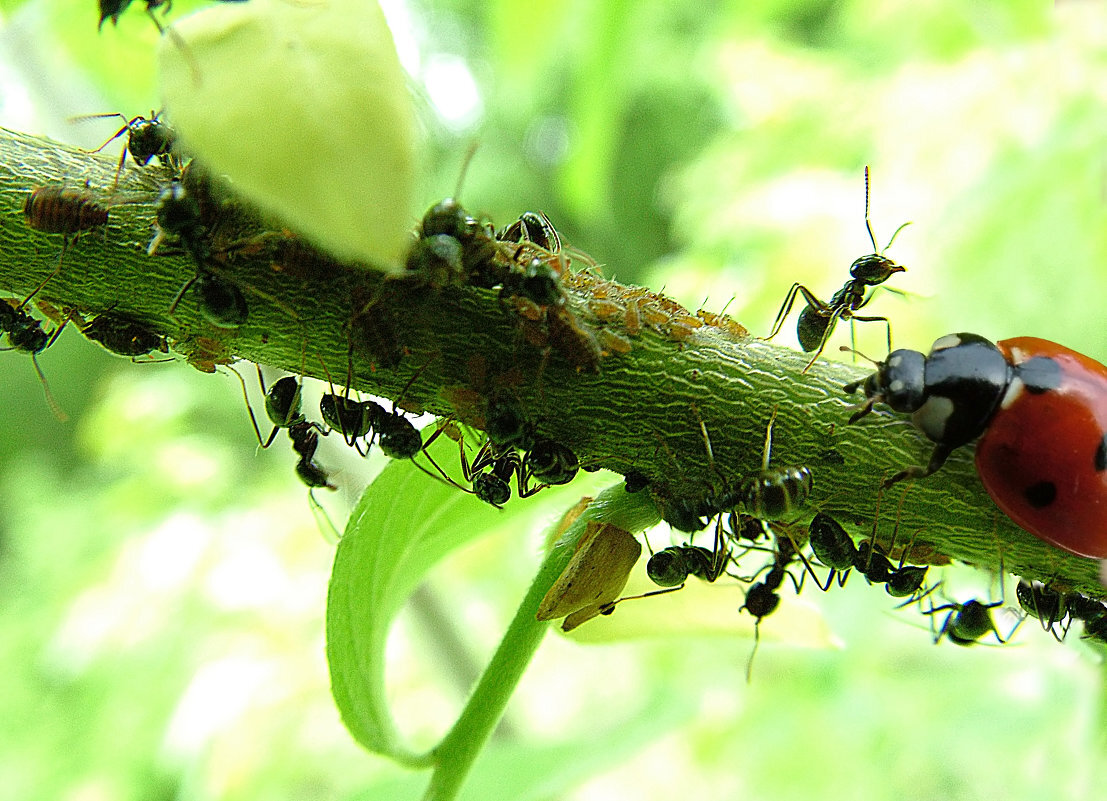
(469, 154)
(869, 226)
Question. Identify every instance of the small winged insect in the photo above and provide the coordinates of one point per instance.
(146, 138)
(593, 578)
(817, 319)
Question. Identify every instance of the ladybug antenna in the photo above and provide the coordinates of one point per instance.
(856, 352)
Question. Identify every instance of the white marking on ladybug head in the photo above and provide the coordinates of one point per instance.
(932, 417)
(948, 341)
(1014, 391)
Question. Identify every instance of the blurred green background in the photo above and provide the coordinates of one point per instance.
(162, 582)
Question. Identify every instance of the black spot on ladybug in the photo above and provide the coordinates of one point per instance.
(1040, 374)
(1101, 455)
(1040, 495)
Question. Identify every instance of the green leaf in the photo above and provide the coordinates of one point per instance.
(404, 523)
(305, 107)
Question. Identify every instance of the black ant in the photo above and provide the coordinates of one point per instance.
(25, 333)
(670, 568)
(220, 302)
(551, 462)
(816, 321)
(772, 493)
(454, 247)
(762, 598)
(492, 471)
(146, 138)
(965, 624)
(283, 407)
(1047, 606)
(1092, 612)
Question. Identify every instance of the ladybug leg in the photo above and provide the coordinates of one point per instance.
(937, 459)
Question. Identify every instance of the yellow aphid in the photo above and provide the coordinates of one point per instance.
(594, 577)
(305, 107)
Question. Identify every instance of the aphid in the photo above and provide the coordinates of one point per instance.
(594, 577)
(59, 209)
(146, 138)
(1040, 410)
(572, 339)
(817, 319)
(296, 257)
(504, 423)
(965, 624)
(124, 335)
(610, 343)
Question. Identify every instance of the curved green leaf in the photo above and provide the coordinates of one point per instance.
(404, 523)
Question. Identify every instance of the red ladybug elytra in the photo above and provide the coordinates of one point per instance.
(1040, 410)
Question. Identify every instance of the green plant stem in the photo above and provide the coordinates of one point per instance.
(455, 754)
(645, 409)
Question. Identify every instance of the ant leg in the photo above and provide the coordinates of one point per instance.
(785, 310)
(187, 285)
(884, 320)
(50, 400)
(249, 408)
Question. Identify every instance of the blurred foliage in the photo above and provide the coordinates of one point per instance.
(162, 584)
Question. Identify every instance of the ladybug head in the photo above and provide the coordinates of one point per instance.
(898, 381)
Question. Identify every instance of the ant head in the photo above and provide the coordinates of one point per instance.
(874, 269)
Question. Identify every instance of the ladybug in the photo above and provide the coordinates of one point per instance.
(1040, 410)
